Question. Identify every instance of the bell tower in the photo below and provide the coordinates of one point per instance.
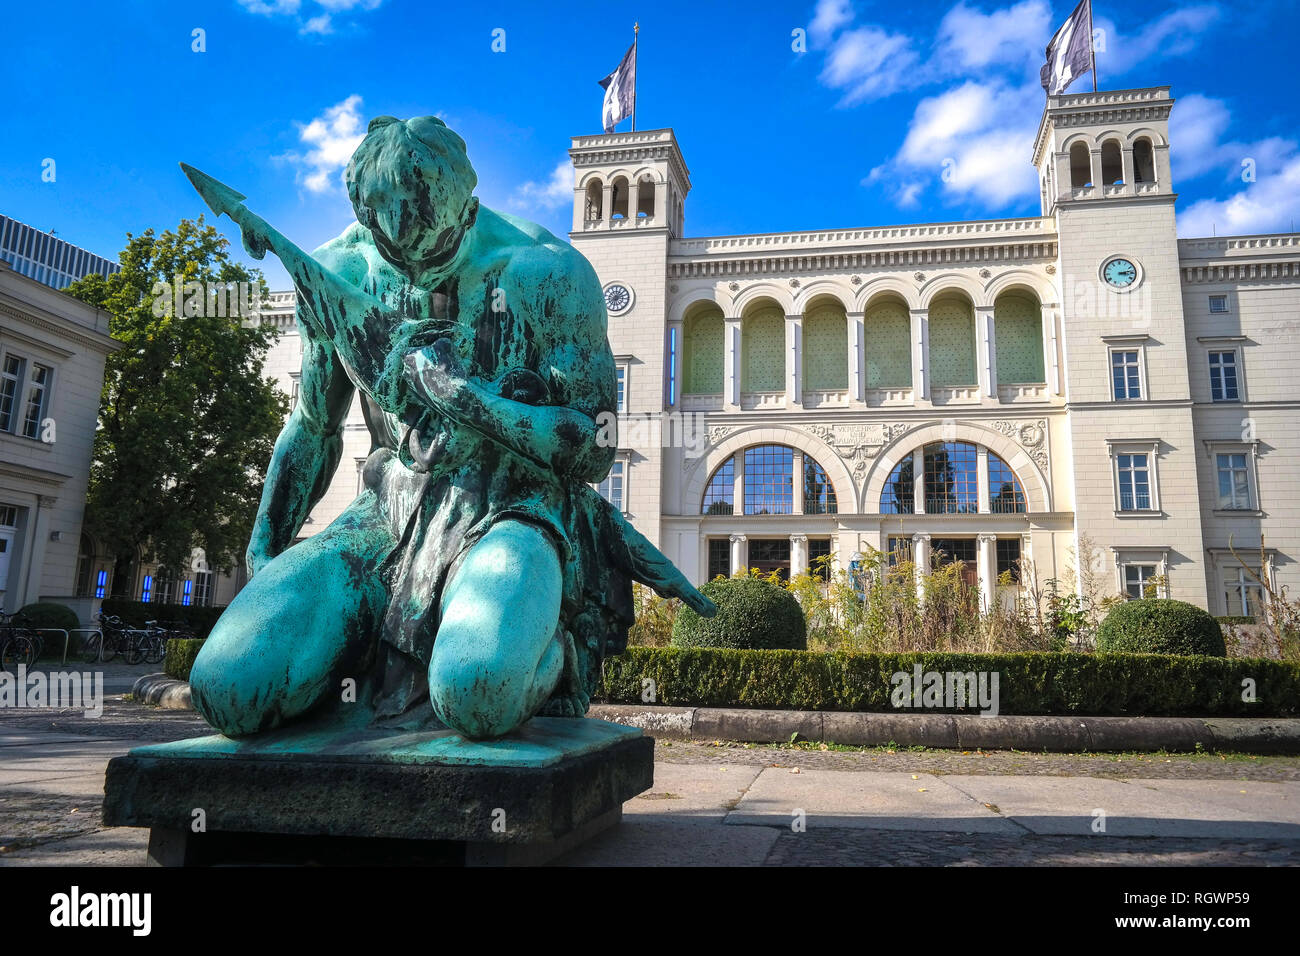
(629, 205)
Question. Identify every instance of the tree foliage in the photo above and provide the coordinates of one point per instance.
(187, 419)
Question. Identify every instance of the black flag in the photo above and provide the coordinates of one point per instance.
(1069, 55)
(620, 92)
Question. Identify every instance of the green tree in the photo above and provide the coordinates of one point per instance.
(187, 419)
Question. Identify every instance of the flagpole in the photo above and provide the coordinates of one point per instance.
(1092, 49)
(636, 30)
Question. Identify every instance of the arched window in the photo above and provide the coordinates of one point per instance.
(719, 496)
(951, 478)
(818, 492)
(899, 496)
(645, 198)
(1144, 161)
(887, 328)
(952, 343)
(763, 349)
(1018, 330)
(1112, 163)
(769, 485)
(703, 362)
(620, 198)
(825, 349)
(1080, 166)
(595, 200)
(1005, 494)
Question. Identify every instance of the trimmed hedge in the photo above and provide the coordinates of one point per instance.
(1093, 684)
(181, 652)
(752, 614)
(1160, 626)
(50, 614)
(135, 613)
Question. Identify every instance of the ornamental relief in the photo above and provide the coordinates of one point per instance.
(1030, 435)
(857, 445)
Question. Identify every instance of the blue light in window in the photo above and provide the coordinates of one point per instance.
(101, 582)
(672, 367)
(146, 592)
(185, 597)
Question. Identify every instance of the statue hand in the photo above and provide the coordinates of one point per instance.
(436, 375)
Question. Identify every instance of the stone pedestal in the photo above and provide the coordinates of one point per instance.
(366, 796)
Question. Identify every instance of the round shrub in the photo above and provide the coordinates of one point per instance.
(49, 614)
(1160, 626)
(752, 615)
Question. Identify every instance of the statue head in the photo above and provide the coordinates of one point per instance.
(412, 185)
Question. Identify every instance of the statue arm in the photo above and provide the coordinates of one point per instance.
(307, 452)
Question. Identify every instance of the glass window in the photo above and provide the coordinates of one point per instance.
(1135, 580)
(769, 480)
(1218, 303)
(1005, 494)
(719, 496)
(1223, 376)
(899, 498)
(146, 590)
(203, 588)
(1234, 482)
(1126, 378)
(187, 592)
(101, 583)
(819, 557)
(719, 558)
(818, 492)
(898, 549)
(165, 588)
(611, 488)
(1008, 555)
(1134, 483)
(37, 395)
(10, 376)
(1242, 592)
(951, 478)
(620, 382)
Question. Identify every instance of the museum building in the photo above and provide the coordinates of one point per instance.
(986, 391)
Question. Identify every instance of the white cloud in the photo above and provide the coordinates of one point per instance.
(550, 194)
(333, 137)
(1176, 33)
(320, 24)
(869, 63)
(1270, 204)
(829, 16)
(972, 39)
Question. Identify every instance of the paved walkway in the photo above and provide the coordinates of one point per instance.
(730, 804)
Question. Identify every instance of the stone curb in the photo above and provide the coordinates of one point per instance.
(960, 732)
(162, 691)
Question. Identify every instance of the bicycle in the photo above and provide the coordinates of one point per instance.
(108, 643)
(17, 646)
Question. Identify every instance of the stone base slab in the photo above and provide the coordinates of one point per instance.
(373, 797)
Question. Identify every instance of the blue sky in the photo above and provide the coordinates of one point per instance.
(856, 130)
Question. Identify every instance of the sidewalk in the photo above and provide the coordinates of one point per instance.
(733, 805)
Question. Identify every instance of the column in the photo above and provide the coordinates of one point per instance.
(793, 360)
(921, 557)
(39, 529)
(607, 205)
(988, 570)
(731, 360)
(798, 554)
(918, 481)
(920, 355)
(659, 214)
(1094, 157)
(857, 359)
(739, 554)
(982, 474)
(1126, 160)
(987, 350)
(738, 484)
(1050, 363)
(796, 504)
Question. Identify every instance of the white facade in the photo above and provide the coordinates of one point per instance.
(1084, 372)
(52, 352)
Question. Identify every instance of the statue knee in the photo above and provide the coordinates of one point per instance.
(474, 698)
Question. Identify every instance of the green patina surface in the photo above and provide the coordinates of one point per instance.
(541, 742)
(477, 579)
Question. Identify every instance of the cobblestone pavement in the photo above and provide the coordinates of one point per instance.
(841, 847)
(51, 793)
